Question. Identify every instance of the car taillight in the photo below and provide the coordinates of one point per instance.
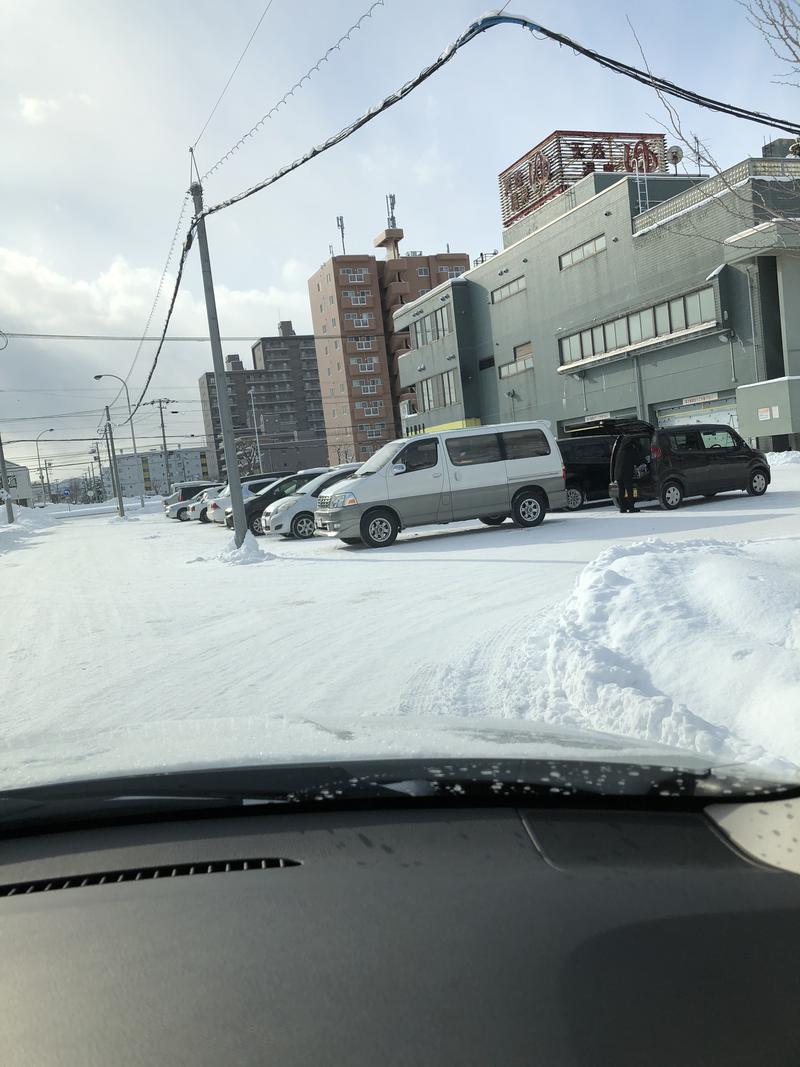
(564, 473)
(655, 451)
(212, 506)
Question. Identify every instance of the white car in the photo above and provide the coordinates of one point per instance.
(293, 516)
(179, 509)
(250, 486)
(198, 506)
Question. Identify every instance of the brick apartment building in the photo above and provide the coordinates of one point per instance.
(353, 299)
(276, 406)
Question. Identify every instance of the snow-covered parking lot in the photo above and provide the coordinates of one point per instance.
(133, 643)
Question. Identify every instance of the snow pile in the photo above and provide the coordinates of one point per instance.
(248, 553)
(783, 459)
(27, 522)
(694, 644)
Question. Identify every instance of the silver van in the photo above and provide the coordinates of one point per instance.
(486, 473)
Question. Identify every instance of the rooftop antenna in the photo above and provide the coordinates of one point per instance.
(330, 249)
(675, 155)
(340, 225)
(391, 221)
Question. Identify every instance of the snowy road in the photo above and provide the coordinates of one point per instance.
(130, 644)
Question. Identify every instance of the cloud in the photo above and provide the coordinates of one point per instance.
(36, 109)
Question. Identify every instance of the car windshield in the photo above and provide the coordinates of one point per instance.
(418, 303)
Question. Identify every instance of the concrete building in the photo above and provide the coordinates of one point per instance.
(276, 406)
(625, 293)
(353, 301)
(185, 465)
(19, 484)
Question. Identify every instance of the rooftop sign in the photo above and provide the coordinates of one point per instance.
(566, 156)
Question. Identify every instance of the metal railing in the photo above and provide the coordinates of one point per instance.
(720, 183)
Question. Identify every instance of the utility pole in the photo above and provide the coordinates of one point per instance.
(226, 422)
(115, 471)
(96, 454)
(161, 402)
(111, 466)
(5, 485)
(255, 427)
(97, 378)
(47, 465)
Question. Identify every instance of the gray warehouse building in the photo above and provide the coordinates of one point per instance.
(622, 290)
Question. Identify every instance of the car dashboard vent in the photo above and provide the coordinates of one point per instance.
(143, 874)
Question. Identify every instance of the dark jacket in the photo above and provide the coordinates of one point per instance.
(626, 460)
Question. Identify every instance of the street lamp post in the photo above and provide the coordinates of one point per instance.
(252, 394)
(39, 460)
(97, 378)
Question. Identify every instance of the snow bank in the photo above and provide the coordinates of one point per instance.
(248, 553)
(783, 459)
(693, 644)
(27, 522)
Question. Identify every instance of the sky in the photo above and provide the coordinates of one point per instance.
(100, 99)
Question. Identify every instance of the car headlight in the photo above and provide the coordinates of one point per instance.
(284, 504)
(342, 500)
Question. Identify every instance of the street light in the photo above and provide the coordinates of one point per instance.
(97, 378)
(252, 394)
(39, 459)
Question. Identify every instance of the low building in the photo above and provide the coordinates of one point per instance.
(148, 470)
(19, 484)
(668, 297)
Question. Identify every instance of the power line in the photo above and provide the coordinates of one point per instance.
(232, 74)
(290, 92)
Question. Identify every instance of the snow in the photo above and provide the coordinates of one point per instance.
(597, 634)
(783, 459)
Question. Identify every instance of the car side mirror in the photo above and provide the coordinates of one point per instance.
(398, 468)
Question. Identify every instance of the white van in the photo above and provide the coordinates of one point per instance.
(486, 473)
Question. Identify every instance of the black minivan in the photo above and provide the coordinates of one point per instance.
(682, 461)
(586, 460)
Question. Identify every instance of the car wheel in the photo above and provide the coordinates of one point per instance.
(303, 525)
(671, 496)
(379, 529)
(204, 516)
(757, 483)
(256, 527)
(576, 498)
(528, 508)
(183, 515)
(493, 520)
(351, 540)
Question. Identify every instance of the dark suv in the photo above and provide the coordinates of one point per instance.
(586, 461)
(254, 505)
(681, 461)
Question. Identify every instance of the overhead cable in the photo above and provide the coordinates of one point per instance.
(290, 92)
(232, 74)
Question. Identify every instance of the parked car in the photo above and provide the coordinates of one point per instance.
(254, 505)
(683, 461)
(180, 508)
(184, 491)
(198, 508)
(586, 461)
(250, 486)
(294, 515)
(487, 473)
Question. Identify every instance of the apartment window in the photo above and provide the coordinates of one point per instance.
(354, 274)
(516, 285)
(377, 430)
(661, 320)
(333, 413)
(330, 299)
(584, 251)
(336, 346)
(359, 319)
(324, 328)
(341, 387)
(423, 272)
(318, 289)
(452, 272)
(364, 344)
(333, 320)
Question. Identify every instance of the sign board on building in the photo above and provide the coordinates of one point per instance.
(566, 156)
(12, 481)
(702, 399)
(776, 412)
(763, 414)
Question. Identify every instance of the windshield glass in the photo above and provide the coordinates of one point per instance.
(634, 597)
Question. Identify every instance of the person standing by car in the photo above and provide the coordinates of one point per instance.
(627, 459)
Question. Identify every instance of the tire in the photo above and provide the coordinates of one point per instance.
(183, 515)
(379, 529)
(351, 540)
(303, 526)
(493, 520)
(671, 495)
(528, 508)
(757, 482)
(204, 515)
(576, 498)
(255, 526)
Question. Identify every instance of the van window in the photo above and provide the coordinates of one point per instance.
(718, 439)
(482, 448)
(420, 455)
(525, 444)
(685, 440)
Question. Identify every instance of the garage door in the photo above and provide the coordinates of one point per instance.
(712, 408)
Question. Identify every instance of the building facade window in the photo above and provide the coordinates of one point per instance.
(661, 320)
(423, 272)
(523, 360)
(430, 327)
(452, 272)
(438, 391)
(354, 275)
(503, 292)
(584, 251)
